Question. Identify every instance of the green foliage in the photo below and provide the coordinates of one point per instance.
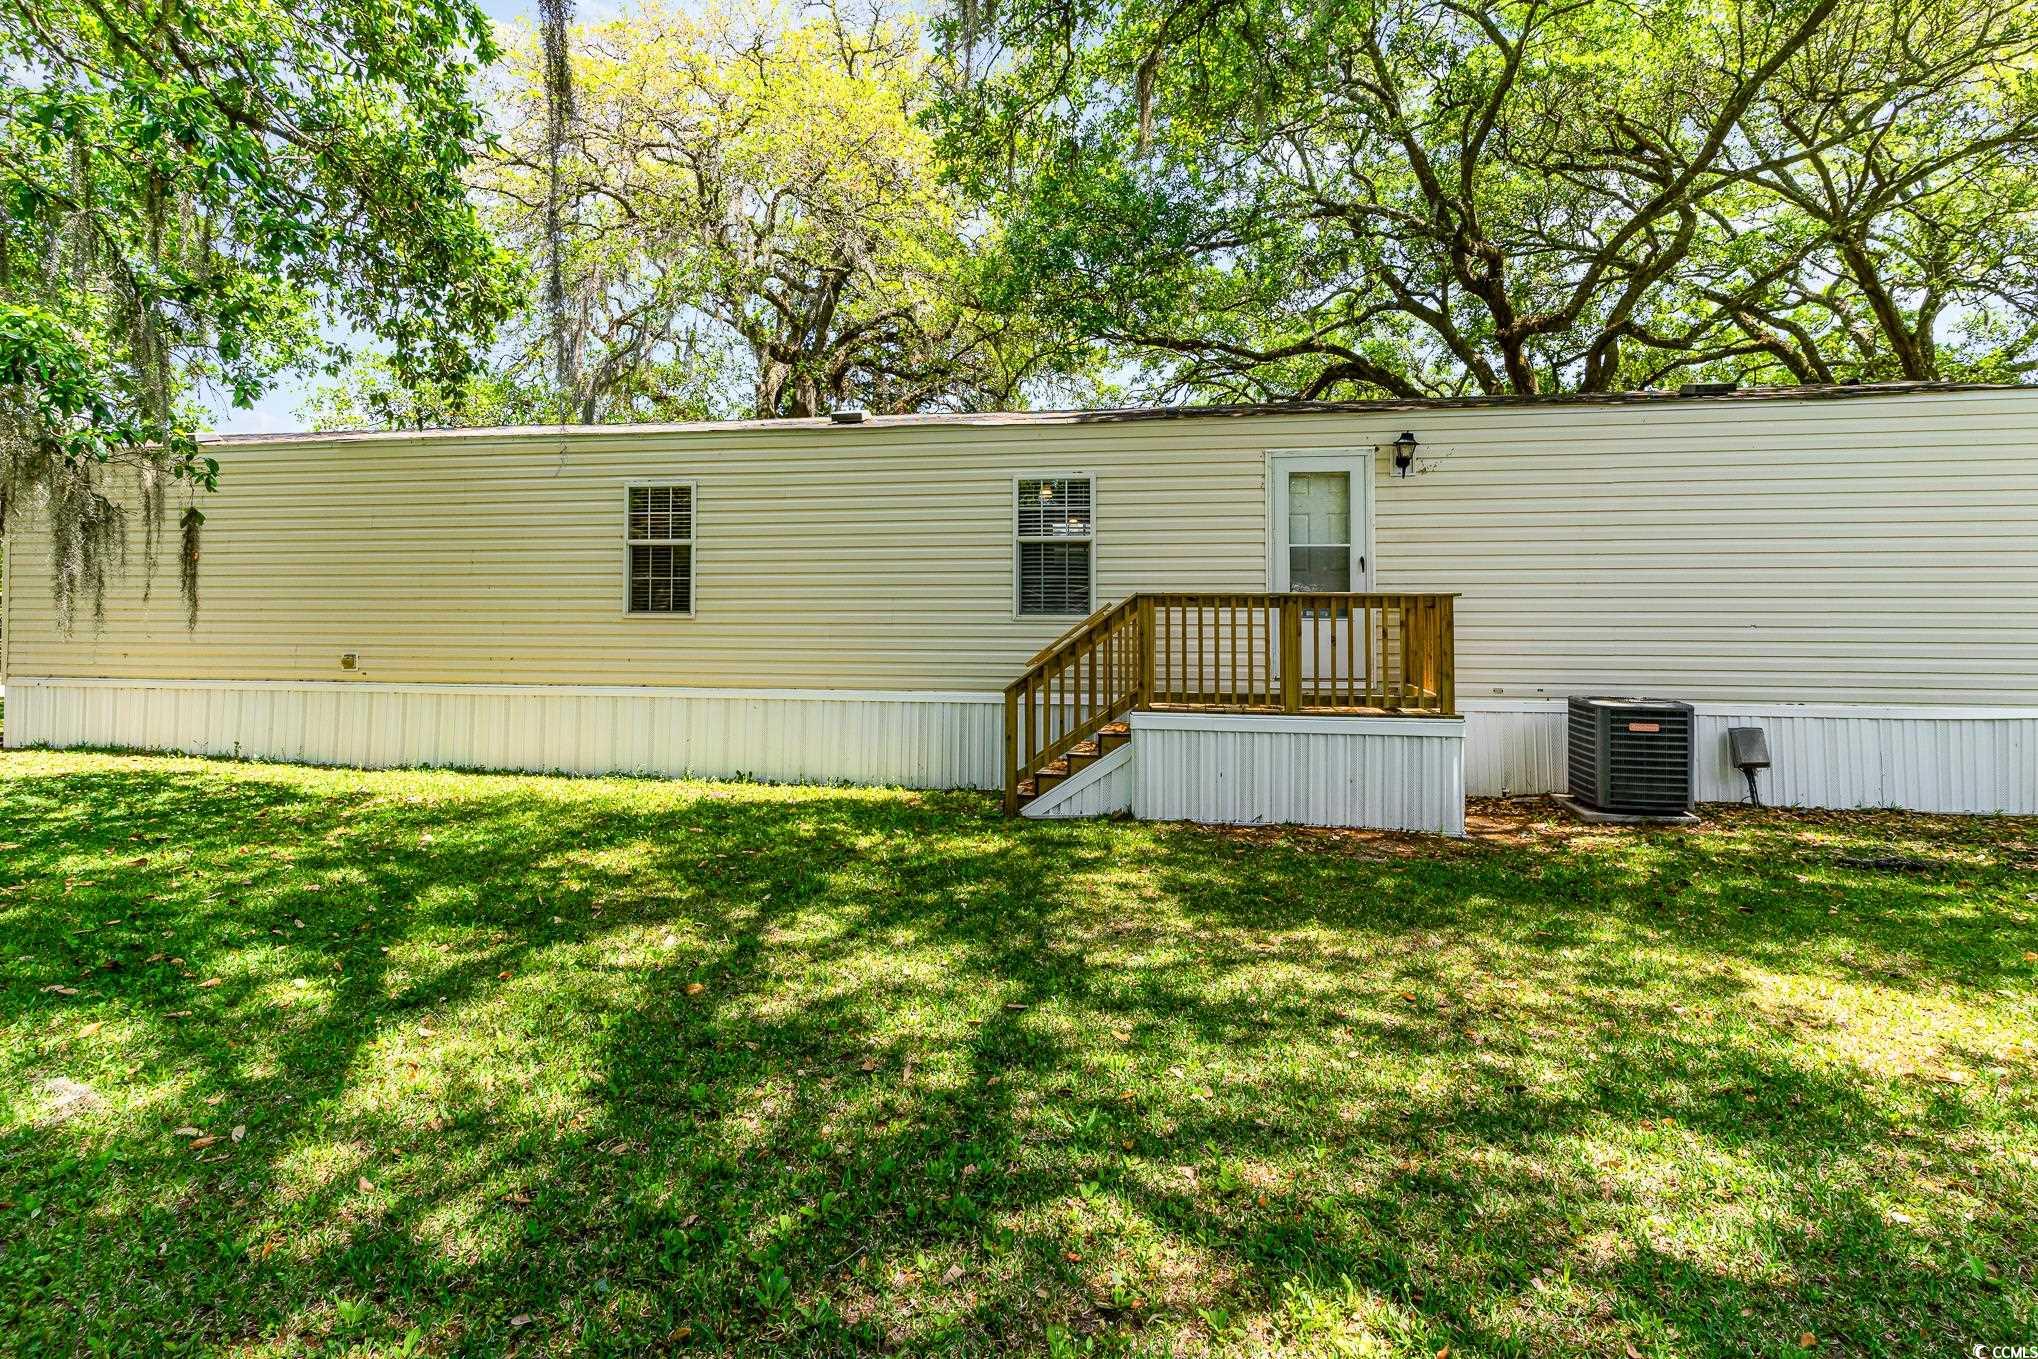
(753, 223)
(1268, 199)
(188, 190)
(306, 1061)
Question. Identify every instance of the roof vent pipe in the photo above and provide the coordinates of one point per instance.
(851, 416)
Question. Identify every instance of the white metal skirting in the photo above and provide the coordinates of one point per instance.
(1514, 749)
(1822, 755)
(917, 740)
(1390, 773)
(1825, 755)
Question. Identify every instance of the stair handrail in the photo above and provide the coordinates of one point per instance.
(1037, 657)
(1037, 733)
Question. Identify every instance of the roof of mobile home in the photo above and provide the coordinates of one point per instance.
(1118, 415)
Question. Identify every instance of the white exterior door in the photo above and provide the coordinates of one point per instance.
(1320, 518)
(1319, 540)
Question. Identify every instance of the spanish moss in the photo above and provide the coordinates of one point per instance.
(187, 562)
(554, 17)
(85, 493)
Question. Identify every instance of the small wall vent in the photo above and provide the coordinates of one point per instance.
(1632, 756)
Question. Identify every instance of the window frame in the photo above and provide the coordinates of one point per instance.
(1019, 540)
(691, 543)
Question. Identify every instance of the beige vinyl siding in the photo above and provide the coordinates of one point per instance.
(1877, 549)
(1870, 549)
(849, 558)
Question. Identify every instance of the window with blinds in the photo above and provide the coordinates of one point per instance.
(1053, 536)
(660, 549)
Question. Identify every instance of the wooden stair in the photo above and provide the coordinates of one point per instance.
(1262, 652)
(1079, 758)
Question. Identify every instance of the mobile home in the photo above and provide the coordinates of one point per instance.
(1356, 613)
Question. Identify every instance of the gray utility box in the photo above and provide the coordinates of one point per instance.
(1632, 755)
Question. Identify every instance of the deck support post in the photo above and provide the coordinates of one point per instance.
(1144, 699)
(1447, 656)
(1011, 752)
(1291, 654)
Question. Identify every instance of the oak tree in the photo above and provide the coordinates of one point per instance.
(750, 204)
(1260, 198)
(189, 189)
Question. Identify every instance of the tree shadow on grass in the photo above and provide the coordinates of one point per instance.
(910, 1077)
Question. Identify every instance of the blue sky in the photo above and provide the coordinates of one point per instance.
(278, 411)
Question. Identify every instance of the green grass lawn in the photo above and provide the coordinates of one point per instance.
(302, 1061)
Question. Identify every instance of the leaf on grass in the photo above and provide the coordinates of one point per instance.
(215, 1098)
(1807, 1340)
(200, 1143)
(87, 1030)
(240, 1131)
(365, 1185)
(208, 983)
(694, 988)
(60, 989)
(1121, 1035)
(521, 1319)
(869, 1064)
(185, 1132)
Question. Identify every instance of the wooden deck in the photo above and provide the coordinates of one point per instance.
(1296, 653)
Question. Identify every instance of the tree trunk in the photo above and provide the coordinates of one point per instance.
(1889, 319)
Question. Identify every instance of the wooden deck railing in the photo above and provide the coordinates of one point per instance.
(1280, 653)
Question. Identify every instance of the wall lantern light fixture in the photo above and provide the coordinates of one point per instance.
(1404, 453)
